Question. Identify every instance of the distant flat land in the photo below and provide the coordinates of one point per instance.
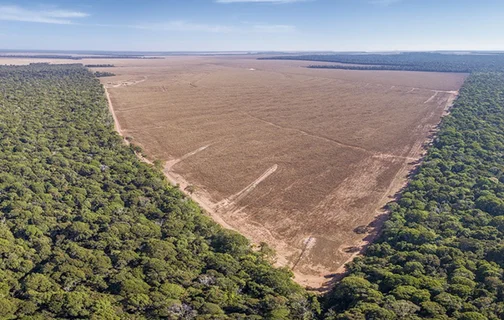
(295, 157)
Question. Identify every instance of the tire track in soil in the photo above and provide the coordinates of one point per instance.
(127, 83)
(339, 143)
(308, 244)
(235, 198)
(169, 164)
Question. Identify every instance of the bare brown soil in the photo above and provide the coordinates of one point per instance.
(296, 157)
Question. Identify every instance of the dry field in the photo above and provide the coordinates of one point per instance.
(295, 157)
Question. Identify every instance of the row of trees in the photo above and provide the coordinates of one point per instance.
(99, 65)
(100, 74)
(390, 68)
(410, 61)
(441, 254)
(87, 231)
(76, 57)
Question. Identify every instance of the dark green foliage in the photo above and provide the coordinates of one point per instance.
(100, 74)
(76, 57)
(99, 66)
(89, 231)
(411, 61)
(441, 254)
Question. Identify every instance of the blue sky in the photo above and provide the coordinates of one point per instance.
(228, 25)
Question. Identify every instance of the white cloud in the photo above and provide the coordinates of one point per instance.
(60, 16)
(57, 16)
(259, 1)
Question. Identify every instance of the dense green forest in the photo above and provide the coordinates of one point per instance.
(410, 61)
(87, 231)
(441, 254)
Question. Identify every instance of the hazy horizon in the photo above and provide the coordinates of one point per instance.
(237, 52)
(253, 25)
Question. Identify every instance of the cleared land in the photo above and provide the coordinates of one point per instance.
(298, 158)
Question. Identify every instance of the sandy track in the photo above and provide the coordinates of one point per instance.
(436, 92)
(169, 164)
(200, 196)
(126, 83)
(432, 98)
(232, 200)
(117, 125)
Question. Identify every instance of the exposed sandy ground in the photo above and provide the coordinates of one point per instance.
(294, 157)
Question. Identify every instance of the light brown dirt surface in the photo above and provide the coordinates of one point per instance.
(295, 157)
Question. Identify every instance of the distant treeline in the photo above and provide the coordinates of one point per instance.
(99, 66)
(70, 57)
(100, 74)
(385, 68)
(411, 61)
